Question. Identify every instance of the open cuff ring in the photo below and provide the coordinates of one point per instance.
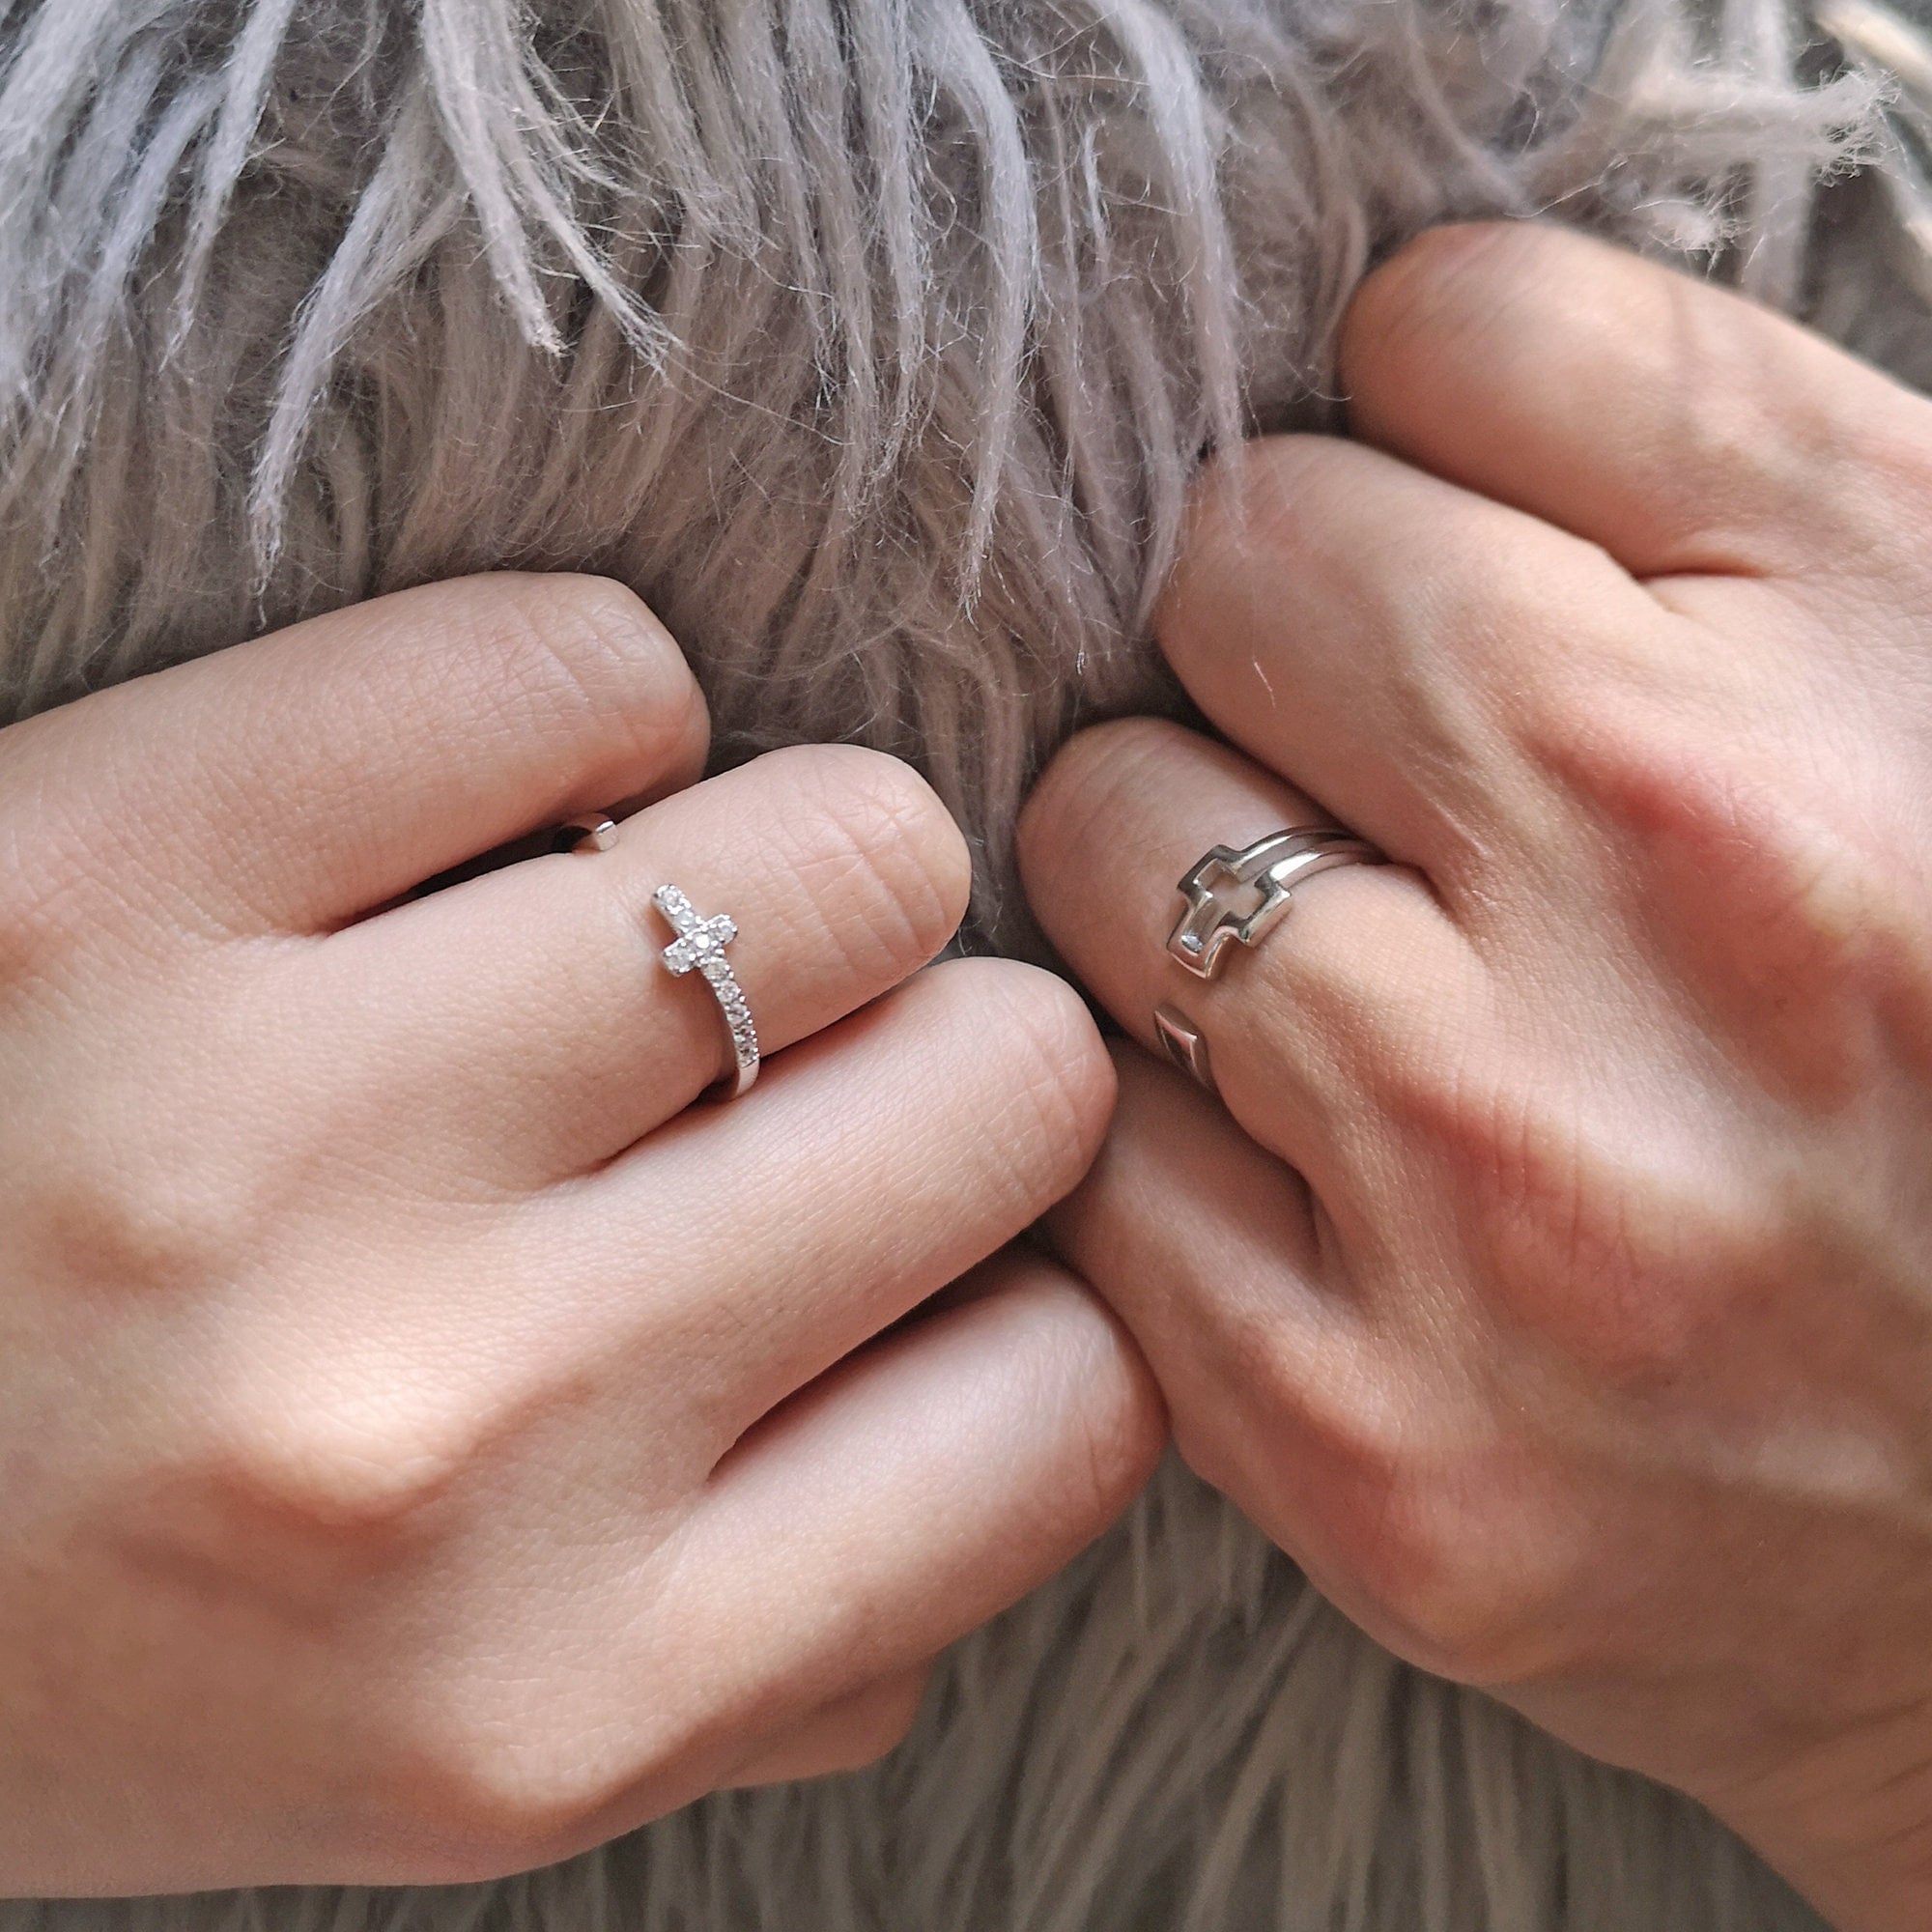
(1241, 894)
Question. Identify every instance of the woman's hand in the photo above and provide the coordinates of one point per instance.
(428, 1445)
(1556, 1284)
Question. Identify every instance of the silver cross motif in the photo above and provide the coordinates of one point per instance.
(1239, 894)
(700, 942)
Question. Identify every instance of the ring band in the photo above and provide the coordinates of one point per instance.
(701, 945)
(1238, 893)
(1185, 1043)
(594, 832)
(1262, 874)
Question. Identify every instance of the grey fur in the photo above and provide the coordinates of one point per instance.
(874, 341)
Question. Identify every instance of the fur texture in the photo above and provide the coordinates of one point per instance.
(873, 342)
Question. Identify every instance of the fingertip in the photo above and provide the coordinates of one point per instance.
(1078, 794)
(1414, 315)
(1073, 1086)
(1080, 1228)
(1088, 1368)
(897, 827)
(584, 651)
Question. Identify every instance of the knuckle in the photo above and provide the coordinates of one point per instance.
(1897, 491)
(1771, 896)
(1766, 464)
(1639, 770)
(1083, 784)
(495, 1780)
(145, 1221)
(1279, 1410)
(1517, 1159)
(1127, 1430)
(1804, 875)
(1757, 443)
(1222, 502)
(1457, 1595)
(1354, 1430)
(888, 1723)
(1820, 895)
(885, 868)
(1501, 597)
(1581, 718)
(55, 899)
(594, 629)
(341, 1462)
(1476, 646)
(1418, 1513)
(1094, 1377)
(1621, 1252)
(850, 1734)
(1269, 497)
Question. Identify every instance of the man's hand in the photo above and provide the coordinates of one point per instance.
(1556, 1282)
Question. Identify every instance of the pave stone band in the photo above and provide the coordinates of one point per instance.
(701, 945)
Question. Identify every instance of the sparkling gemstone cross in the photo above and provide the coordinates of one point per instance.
(700, 942)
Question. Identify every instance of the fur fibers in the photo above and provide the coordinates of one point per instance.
(873, 342)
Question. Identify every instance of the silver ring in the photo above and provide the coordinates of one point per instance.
(699, 946)
(1239, 895)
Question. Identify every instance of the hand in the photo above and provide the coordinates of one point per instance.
(1556, 1284)
(430, 1445)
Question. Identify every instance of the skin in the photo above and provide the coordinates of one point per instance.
(430, 1445)
(1555, 1282)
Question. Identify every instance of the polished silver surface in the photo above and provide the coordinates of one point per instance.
(1185, 1043)
(1239, 894)
(593, 832)
(699, 946)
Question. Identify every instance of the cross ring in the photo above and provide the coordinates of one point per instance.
(1241, 893)
(701, 945)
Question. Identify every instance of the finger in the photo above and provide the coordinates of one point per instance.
(523, 1025)
(896, 1505)
(1290, 1392)
(1678, 425)
(1363, 976)
(733, 1255)
(880, 1160)
(293, 782)
(849, 1733)
(1211, 1252)
(924, 1485)
(1415, 656)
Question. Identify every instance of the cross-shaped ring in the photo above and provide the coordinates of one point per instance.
(1239, 894)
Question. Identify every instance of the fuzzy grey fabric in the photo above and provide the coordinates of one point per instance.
(874, 341)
